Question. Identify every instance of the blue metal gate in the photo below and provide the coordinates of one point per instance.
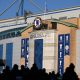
(38, 52)
(1, 55)
(9, 52)
(1, 51)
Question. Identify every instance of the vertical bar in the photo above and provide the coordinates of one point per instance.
(1, 55)
(38, 52)
(1, 51)
(9, 52)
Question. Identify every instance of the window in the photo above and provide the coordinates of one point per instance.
(4, 36)
(12, 34)
(8, 35)
(18, 33)
(54, 25)
(0, 37)
(44, 26)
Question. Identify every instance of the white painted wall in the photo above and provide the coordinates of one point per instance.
(78, 52)
(16, 49)
(31, 53)
(48, 37)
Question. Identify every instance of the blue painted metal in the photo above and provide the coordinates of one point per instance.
(38, 52)
(9, 53)
(1, 55)
(1, 51)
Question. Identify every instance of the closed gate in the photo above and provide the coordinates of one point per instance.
(38, 52)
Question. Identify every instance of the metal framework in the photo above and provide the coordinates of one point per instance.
(18, 9)
(8, 7)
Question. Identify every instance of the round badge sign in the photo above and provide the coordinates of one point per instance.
(37, 23)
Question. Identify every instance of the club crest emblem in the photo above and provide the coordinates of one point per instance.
(37, 23)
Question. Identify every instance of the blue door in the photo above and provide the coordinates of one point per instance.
(9, 52)
(38, 52)
(1, 51)
(1, 55)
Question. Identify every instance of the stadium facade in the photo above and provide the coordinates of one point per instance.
(51, 40)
